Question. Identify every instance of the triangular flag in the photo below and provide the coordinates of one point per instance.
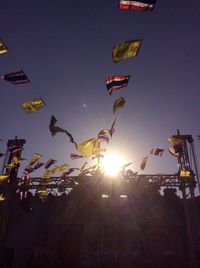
(35, 158)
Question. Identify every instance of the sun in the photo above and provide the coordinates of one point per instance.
(111, 164)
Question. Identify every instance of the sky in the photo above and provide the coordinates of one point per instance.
(65, 49)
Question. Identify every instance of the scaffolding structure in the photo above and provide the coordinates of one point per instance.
(186, 180)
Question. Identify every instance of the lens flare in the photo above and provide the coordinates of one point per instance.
(112, 164)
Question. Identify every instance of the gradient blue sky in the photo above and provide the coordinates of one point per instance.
(65, 49)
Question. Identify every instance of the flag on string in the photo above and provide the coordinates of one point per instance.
(47, 174)
(88, 147)
(177, 144)
(33, 105)
(3, 48)
(17, 160)
(75, 156)
(68, 172)
(157, 151)
(35, 158)
(42, 192)
(103, 137)
(1, 154)
(3, 177)
(119, 103)
(55, 129)
(9, 166)
(28, 169)
(104, 131)
(185, 173)
(126, 50)
(16, 78)
(174, 141)
(116, 82)
(38, 165)
(49, 163)
(139, 5)
(2, 198)
(144, 162)
(60, 168)
(71, 138)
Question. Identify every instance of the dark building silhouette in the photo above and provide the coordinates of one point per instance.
(101, 223)
(131, 221)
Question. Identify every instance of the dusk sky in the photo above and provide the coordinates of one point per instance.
(65, 49)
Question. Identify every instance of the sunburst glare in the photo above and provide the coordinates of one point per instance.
(112, 164)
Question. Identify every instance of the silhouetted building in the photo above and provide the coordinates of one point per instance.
(101, 223)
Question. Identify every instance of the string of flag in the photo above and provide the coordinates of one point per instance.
(90, 147)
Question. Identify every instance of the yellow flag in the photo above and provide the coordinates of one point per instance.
(3, 177)
(184, 173)
(126, 50)
(119, 103)
(144, 162)
(17, 160)
(42, 192)
(104, 131)
(3, 48)
(36, 157)
(174, 141)
(60, 168)
(48, 174)
(2, 198)
(88, 147)
(9, 166)
(33, 105)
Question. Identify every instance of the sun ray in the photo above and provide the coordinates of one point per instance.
(112, 164)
